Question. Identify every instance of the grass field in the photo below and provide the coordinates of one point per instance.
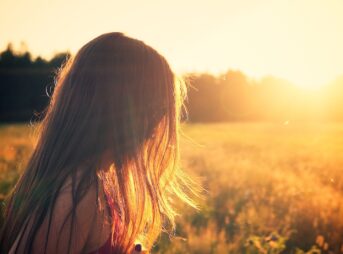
(270, 188)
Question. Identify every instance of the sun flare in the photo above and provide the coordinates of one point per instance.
(296, 40)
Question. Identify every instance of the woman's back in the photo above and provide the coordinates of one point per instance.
(90, 232)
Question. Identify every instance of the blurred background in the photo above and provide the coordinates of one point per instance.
(264, 130)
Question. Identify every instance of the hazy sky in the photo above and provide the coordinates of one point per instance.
(300, 40)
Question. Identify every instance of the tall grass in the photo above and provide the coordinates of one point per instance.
(270, 188)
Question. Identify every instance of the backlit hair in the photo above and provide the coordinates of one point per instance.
(116, 95)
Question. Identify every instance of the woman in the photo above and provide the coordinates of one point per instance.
(104, 175)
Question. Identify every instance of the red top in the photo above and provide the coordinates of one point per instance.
(105, 249)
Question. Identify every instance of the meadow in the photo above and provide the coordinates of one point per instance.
(268, 187)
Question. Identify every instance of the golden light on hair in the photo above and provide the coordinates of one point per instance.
(116, 99)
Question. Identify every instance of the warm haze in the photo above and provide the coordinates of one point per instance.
(263, 133)
(300, 41)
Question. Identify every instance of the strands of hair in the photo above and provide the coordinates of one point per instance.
(117, 97)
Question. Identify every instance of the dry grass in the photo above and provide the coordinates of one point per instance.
(271, 188)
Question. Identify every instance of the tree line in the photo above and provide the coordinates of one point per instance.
(233, 96)
(26, 82)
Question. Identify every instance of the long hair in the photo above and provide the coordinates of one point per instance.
(116, 95)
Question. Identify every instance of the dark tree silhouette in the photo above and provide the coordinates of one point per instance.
(232, 96)
(23, 84)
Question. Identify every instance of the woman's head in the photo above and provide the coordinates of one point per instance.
(117, 101)
(113, 95)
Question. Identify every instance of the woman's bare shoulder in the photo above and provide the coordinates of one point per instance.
(68, 226)
(75, 227)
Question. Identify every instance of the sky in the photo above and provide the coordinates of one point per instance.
(298, 40)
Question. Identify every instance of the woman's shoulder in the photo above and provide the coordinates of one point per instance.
(75, 225)
(82, 222)
(69, 223)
